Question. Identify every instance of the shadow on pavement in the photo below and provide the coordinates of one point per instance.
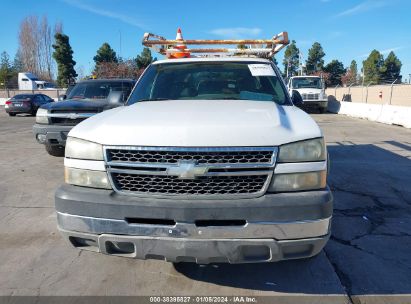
(286, 276)
(369, 251)
(21, 115)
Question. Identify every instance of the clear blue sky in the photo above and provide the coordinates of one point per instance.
(347, 29)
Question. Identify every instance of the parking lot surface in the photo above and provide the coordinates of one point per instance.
(367, 259)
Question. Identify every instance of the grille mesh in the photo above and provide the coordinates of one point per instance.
(66, 121)
(171, 185)
(306, 96)
(202, 157)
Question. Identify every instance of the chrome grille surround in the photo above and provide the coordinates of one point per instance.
(202, 157)
(224, 178)
(65, 117)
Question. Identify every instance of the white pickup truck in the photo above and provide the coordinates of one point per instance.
(312, 90)
(209, 161)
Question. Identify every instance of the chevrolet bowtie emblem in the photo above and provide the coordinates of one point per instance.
(73, 116)
(187, 170)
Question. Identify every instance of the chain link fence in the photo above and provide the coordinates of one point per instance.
(8, 93)
(395, 94)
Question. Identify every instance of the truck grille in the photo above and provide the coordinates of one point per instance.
(306, 96)
(171, 185)
(202, 157)
(70, 118)
(196, 172)
(66, 121)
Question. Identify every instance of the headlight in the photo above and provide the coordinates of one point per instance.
(83, 149)
(86, 178)
(41, 116)
(302, 151)
(298, 181)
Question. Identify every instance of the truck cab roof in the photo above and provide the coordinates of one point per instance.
(108, 79)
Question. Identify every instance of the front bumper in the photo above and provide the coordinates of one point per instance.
(274, 227)
(316, 103)
(52, 134)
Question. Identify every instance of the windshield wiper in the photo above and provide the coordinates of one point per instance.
(154, 99)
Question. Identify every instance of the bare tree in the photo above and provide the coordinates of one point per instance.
(35, 45)
(28, 44)
(58, 28)
(46, 42)
(81, 74)
(124, 69)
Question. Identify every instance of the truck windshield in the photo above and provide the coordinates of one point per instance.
(99, 90)
(307, 82)
(210, 81)
(49, 85)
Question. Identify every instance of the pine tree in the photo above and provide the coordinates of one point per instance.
(391, 68)
(373, 68)
(63, 54)
(18, 65)
(354, 71)
(144, 59)
(291, 59)
(336, 70)
(351, 76)
(315, 61)
(5, 69)
(105, 54)
(16, 68)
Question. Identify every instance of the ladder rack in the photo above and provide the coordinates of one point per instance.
(252, 47)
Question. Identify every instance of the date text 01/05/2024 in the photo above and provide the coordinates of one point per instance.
(203, 299)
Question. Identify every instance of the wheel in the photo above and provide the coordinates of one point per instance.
(55, 150)
(33, 111)
(12, 114)
(323, 110)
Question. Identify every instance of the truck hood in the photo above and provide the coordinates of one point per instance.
(199, 123)
(77, 105)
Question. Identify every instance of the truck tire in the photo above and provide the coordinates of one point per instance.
(12, 114)
(55, 150)
(323, 110)
(33, 111)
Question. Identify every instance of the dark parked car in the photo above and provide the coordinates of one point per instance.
(86, 98)
(26, 103)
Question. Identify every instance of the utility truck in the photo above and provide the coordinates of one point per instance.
(312, 90)
(210, 161)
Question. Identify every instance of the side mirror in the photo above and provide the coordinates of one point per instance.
(62, 97)
(115, 98)
(297, 99)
